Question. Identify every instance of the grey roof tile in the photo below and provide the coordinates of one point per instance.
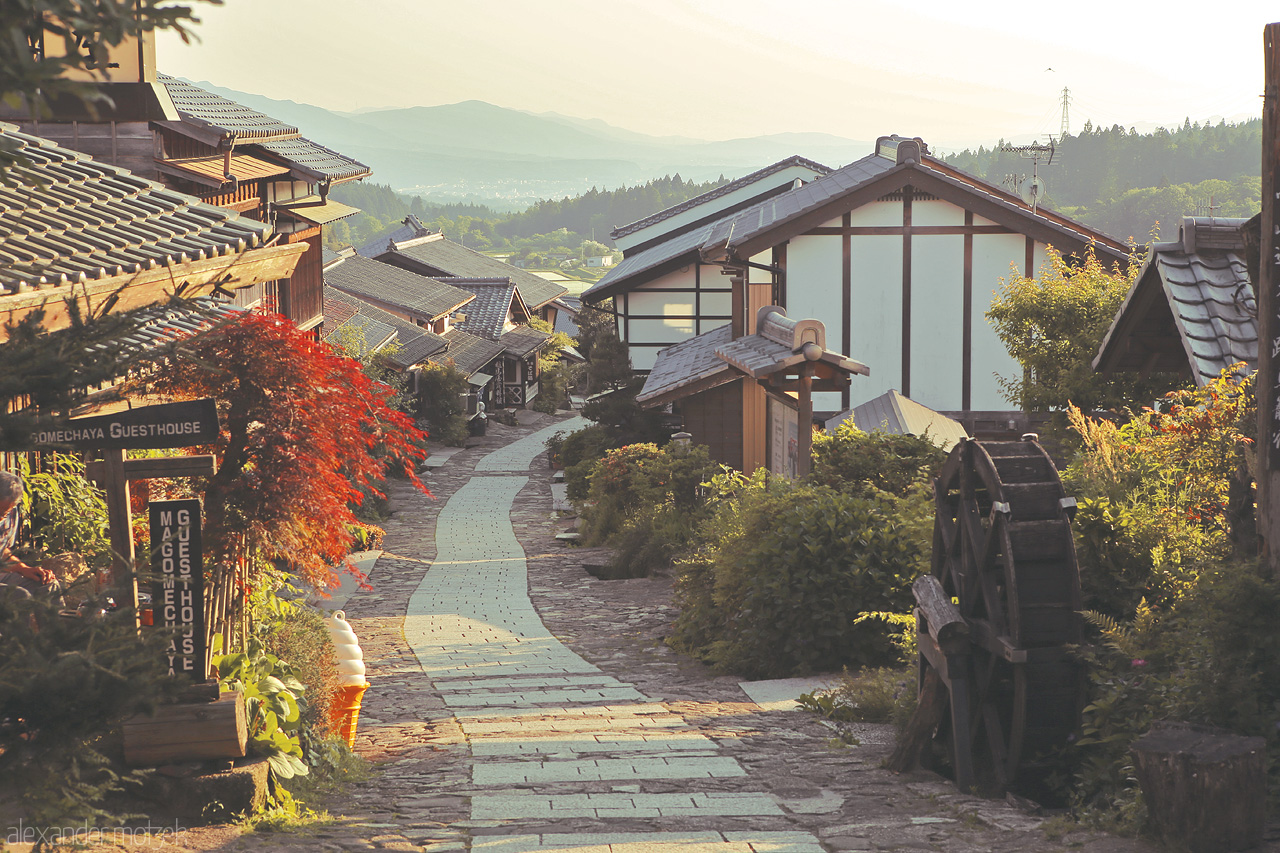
(414, 344)
(896, 414)
(522, 341)
(409, 229)
(309, 156)
(487, 314)
(469, 353)
(71, 219)
(1204, 285)
(444, 257)
(417, 294)
(687, 362)
(206, 110)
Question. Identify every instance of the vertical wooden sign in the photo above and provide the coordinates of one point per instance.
(1268, 292)
(178, 597)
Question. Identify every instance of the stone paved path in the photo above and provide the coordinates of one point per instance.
(521, 705)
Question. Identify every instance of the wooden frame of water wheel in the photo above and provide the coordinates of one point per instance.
(1003, 555)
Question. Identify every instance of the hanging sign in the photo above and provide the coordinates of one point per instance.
(177, 599)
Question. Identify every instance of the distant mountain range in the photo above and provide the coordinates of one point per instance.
(476, 149)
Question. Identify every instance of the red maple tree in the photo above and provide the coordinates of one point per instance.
(303, 432)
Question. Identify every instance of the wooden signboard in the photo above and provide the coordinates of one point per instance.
(183, 424)
(178, 597)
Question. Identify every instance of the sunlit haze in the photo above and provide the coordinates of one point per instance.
(957, 74)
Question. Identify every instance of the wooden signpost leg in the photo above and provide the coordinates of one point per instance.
(116, 486)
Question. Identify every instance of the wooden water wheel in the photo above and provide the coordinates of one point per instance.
(1000, 612)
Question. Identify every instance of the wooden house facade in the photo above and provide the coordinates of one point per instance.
(897, 253)
(224, 153)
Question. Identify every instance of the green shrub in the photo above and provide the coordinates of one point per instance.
(65, 685)
(65, 510)
(877, 695)
(1153, 495)
(645, 503)
(853, 460)
(1213, 658)
(785, 572)
(442, 393)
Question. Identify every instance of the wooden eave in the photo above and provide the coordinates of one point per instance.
(149, 287)
(722, 375)
(1144, 338)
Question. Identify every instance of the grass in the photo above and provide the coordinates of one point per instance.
(883, 695)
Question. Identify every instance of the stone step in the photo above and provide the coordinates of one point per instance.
(541, 697)
(649, 842)
(587, 742)
(626, 806)
(601, 769)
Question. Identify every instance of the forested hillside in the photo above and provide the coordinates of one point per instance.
(550, 225)
(1124, 182)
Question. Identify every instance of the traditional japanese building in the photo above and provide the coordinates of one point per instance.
(897, 253)
(224, 153)
(74, 229)
(414, 247)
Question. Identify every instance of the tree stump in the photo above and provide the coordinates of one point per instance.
(1206, 789)
(188, 732)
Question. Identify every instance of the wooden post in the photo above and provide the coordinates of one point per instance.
(116, 485)
(804, 431)
(1268, 292)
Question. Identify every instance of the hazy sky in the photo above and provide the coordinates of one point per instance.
(953, 73)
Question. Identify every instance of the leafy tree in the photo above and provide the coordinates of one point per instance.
(1053, 325)
(303, 431)
(442, 392)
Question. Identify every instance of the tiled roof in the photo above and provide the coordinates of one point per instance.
(416, 294)
(413, 344)
(523, 340)
(207, 111)
(1195, 295)
(567, 315)
(686, 244)
(487, 315)
(71, 219)
(309, 156)
(769, 213)
(718, 192)
(338, 309)
(447, 258)
(410, 229)
(894, 414)
(469, 353)
(687, 363)
(161, 325)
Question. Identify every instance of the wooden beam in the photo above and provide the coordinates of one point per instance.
(160, 468)
(120, 525)
(908, 193)
(1268, 383)
(154, 286)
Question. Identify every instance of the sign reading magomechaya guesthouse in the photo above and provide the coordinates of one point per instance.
(182, 424)
(177, 601)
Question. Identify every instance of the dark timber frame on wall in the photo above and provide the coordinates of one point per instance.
(701, 322)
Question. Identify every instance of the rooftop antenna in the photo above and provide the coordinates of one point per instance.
(1035, 152)
(1066, 102)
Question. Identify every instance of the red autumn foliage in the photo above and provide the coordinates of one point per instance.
(303, 430)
